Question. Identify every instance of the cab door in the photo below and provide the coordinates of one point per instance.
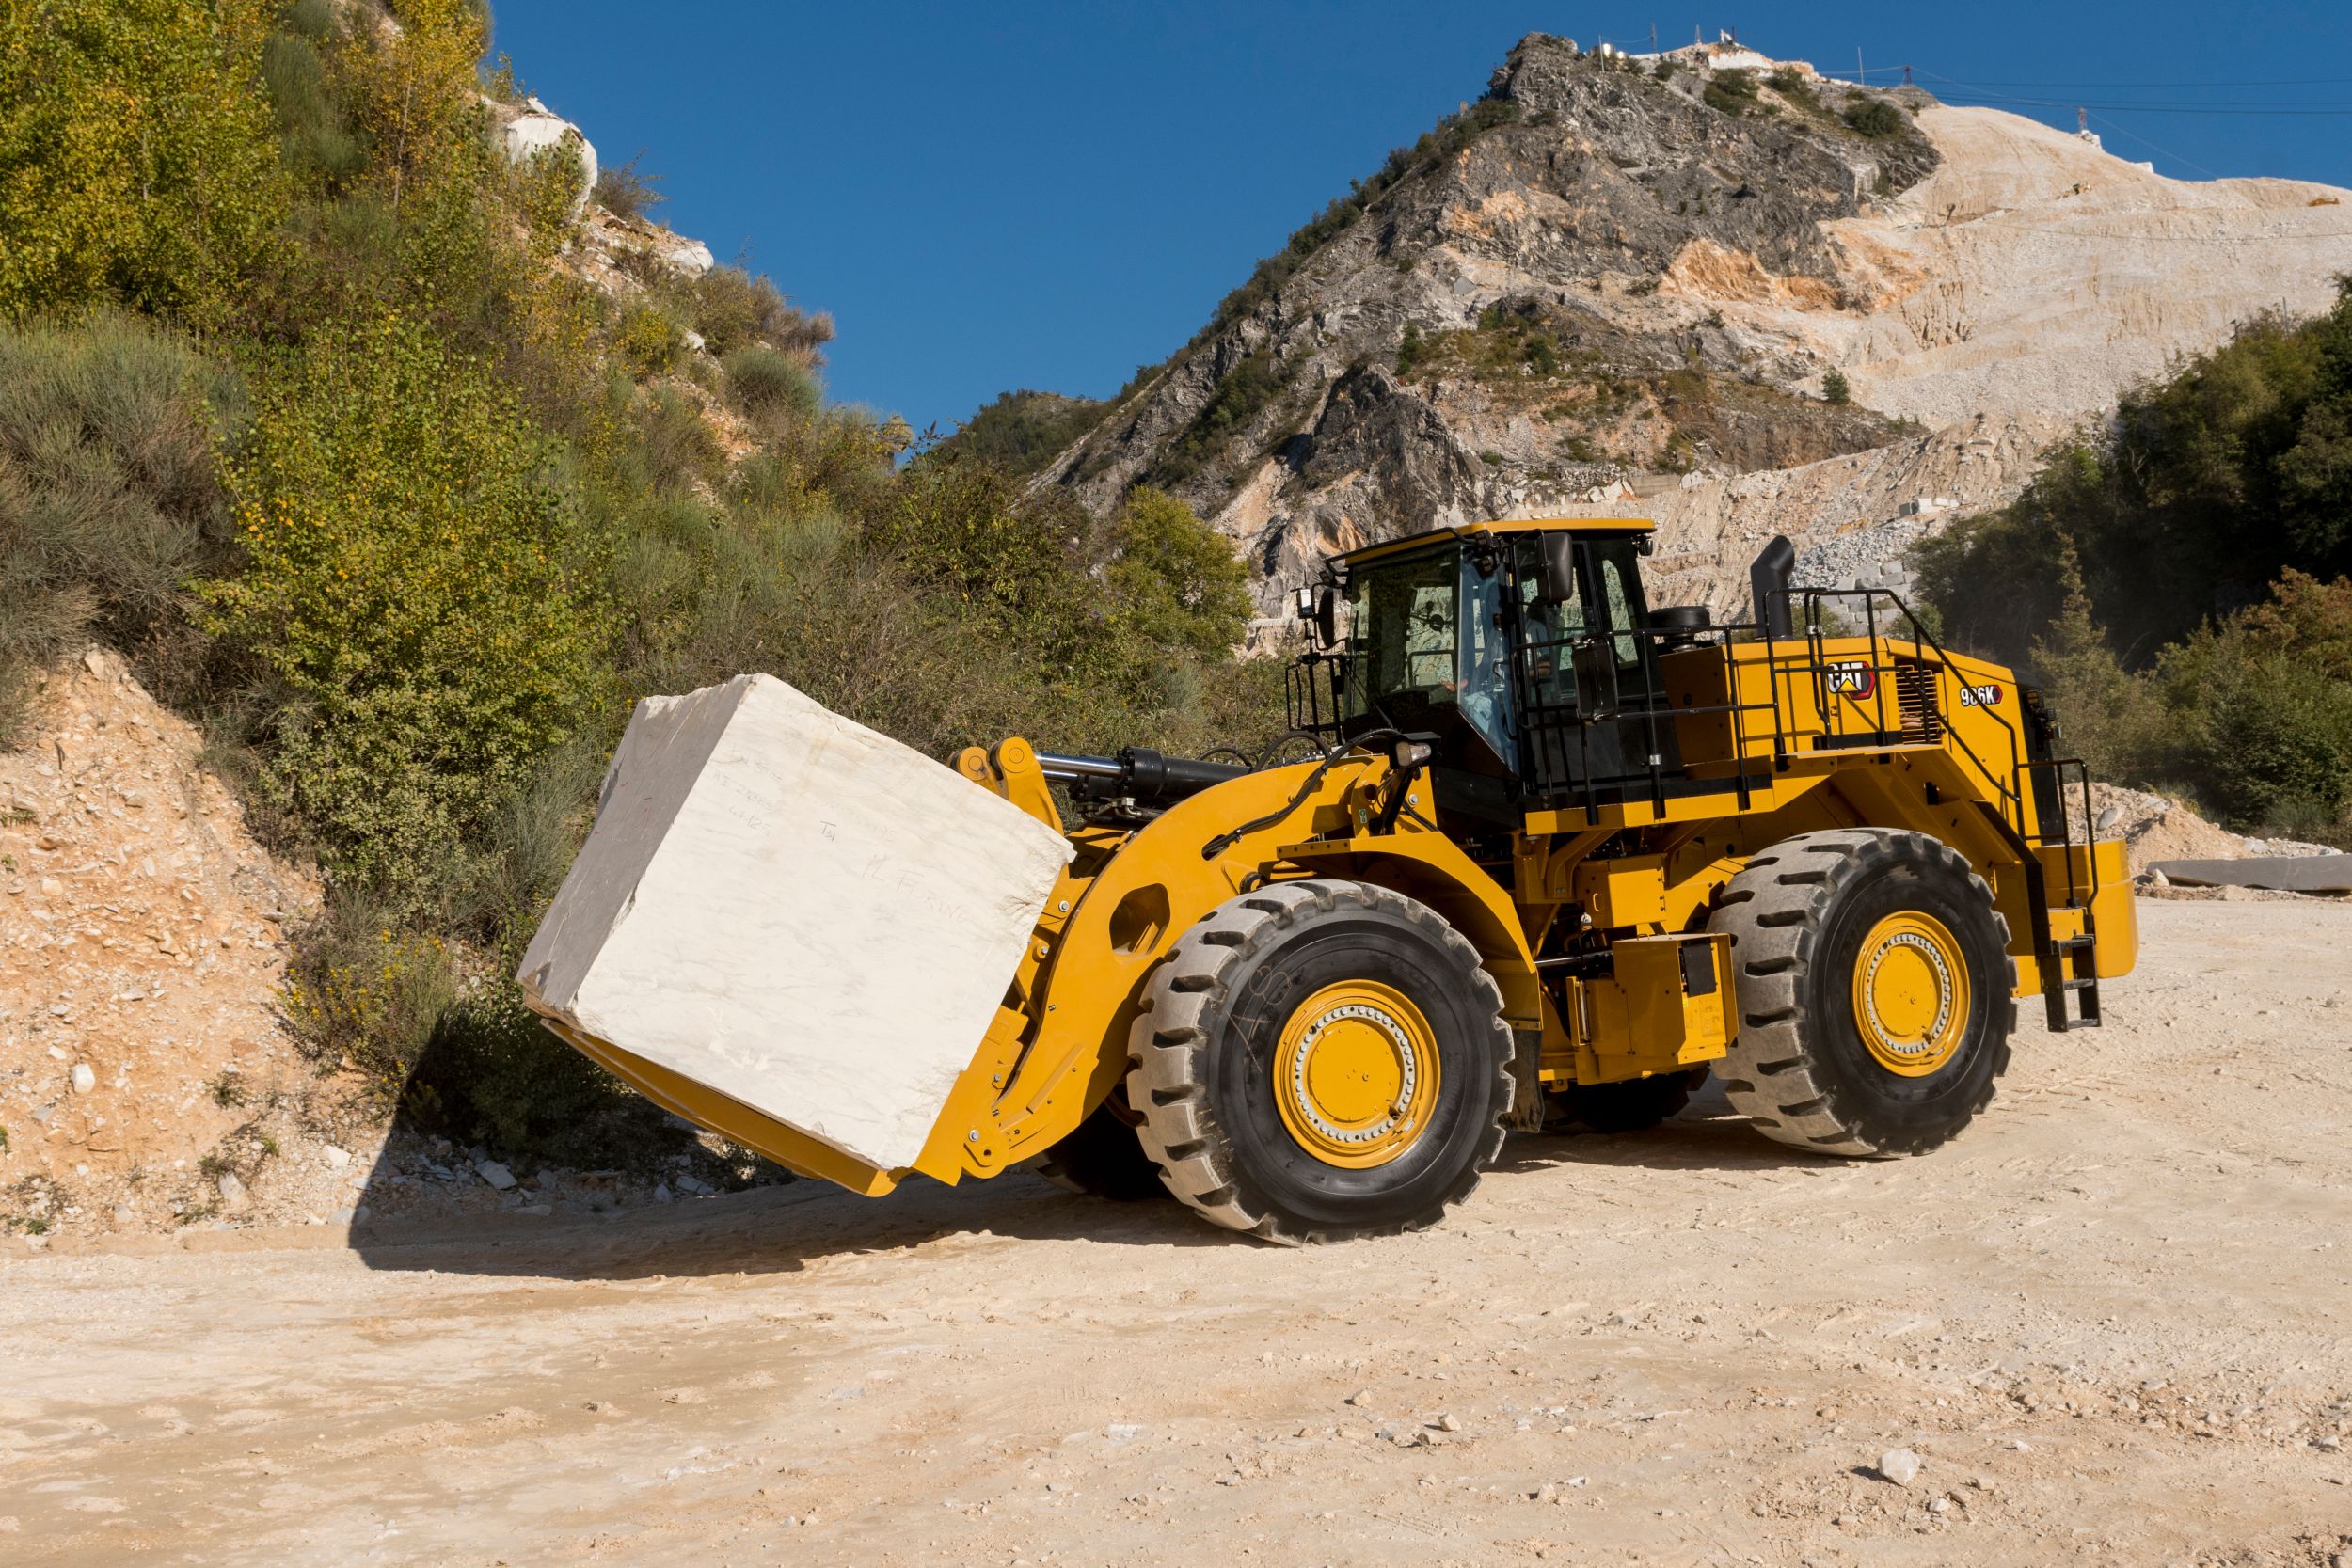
(1593, 716)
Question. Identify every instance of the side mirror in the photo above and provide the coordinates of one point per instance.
(1596, 677)
(1556, 569)
(1328, 616)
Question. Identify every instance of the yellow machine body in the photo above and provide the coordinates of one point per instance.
(1941, 752)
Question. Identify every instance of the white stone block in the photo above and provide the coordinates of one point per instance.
(794, 910)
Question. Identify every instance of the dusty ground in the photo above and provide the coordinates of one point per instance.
(2111, 1320)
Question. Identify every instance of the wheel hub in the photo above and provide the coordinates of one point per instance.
(1355, 1074)
(1911, 993)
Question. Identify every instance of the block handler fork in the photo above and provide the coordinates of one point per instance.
(1551, 858)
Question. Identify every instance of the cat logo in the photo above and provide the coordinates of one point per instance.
(1988, 695)
(1849, 677)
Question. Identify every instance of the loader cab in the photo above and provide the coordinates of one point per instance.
(1521, 649)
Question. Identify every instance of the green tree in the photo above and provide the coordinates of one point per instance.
(137, 154)
(1836, 389)
(1179, 585)
(417, 588)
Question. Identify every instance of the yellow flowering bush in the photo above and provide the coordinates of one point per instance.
(138, 159)
(415, 584)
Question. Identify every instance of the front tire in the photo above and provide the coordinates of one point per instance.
(1319, 1060)
(1874, 988)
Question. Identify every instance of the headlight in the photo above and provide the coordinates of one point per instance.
(1411, 753)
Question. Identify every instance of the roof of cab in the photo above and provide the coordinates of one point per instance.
(1515, 525)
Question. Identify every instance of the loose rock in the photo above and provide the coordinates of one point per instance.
(1900, 1466)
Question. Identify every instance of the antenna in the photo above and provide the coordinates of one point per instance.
(2082, 121)
(1859, 76)
(1906, 75)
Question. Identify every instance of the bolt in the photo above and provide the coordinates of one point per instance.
(1063, 906)
(973, 1136)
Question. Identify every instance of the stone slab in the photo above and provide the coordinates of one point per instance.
(794, 910)
(2326, 874)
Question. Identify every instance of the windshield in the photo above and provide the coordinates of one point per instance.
(1402, 637)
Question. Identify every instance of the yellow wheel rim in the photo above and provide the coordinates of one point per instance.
(1911, 993)
(1356, 1075)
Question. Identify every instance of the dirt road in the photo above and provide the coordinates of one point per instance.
(2114, 1322)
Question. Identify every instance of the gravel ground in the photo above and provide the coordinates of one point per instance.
(2108, 1324)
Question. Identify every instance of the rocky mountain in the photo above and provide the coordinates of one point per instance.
(1711, 288)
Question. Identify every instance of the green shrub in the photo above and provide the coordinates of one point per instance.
(1410, 349)
(1178, 585)
(364, 995)
(1836, 389)
(1024, 431)
(136, 159)
(417, 588)
(1875, 117)
(314, 135)
(1731, 91)
(761, 380)
(626, 192)
(732, 309)
(108, 494)
(648, 342)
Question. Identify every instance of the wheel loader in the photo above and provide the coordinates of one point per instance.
(1546, 857)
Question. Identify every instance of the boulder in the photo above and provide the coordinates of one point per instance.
(537, 128)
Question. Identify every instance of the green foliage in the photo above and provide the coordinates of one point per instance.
(1876, 119)
(649, 343)
(760, 379)
(1796, 89)
(548, 189)
(1179, 587)
(626, 192)
(732, 309)
(1023, 431)
(1246, 391)
(1836, 389)
(2207, 487)
(109, 493)
(414, 583)
(315, 138)
(137, 156)
(469, 514)
(1410, 349)
(1733, 92)
(2259, 709)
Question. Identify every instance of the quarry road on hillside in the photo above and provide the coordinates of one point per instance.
(2113, 1322)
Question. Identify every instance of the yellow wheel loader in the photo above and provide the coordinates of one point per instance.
(1551, 858)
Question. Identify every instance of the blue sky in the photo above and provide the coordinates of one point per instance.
(997, 194)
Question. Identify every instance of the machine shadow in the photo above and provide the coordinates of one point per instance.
(1697, 1140)
(778, 1229)
(782, 1230)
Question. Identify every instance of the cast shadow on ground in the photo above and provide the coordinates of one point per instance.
(783, 1228)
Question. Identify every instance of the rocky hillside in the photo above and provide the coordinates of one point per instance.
(1745, 301)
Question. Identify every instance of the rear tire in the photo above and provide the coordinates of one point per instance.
(1321, 1060)
(1874, 988)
